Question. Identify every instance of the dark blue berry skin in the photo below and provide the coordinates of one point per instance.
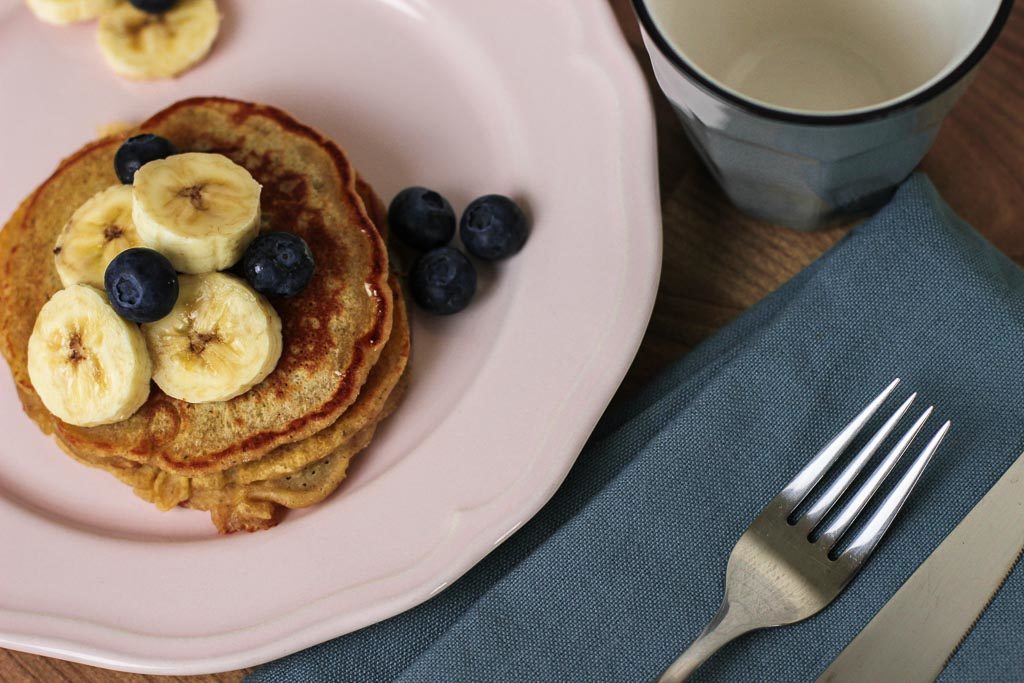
(154, 6)
(422, 218)
(141, 285)
(136, 152)
(493, 228)
(443, 281)
(278, 264)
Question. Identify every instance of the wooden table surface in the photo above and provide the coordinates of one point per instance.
(718, 262)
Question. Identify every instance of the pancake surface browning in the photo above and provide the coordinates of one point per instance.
(251, 496)
(333, 332)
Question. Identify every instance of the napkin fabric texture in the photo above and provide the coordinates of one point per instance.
(626, 564)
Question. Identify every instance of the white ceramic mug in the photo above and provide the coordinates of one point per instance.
(808, 111)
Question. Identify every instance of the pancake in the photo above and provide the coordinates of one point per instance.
(248, 507)
(333, 332)
(9, 250)
(288, 477)
(251, 496)
(258, 505)
(368, 406)
(374, 206)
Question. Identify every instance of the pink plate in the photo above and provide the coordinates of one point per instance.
(537, 99)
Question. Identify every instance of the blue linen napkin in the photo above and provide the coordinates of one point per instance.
(625, 565)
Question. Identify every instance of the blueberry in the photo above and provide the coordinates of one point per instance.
(154, 6)
(493, 228)
(138, 151)
(422, 218)
(141, 285)
(443, 281)
(279, 264)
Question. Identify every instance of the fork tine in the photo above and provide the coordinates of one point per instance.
(811, 474)
(835, 491)
(860, 499)
(868, 537)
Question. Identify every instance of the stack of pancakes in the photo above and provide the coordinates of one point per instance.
(287, 442)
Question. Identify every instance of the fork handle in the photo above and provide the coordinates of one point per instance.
(724, 628)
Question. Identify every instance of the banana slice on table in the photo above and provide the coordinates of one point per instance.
(221, 339)
(89, 366)
(145, 46)
(63, 12)
(201, 211)
(98, 231)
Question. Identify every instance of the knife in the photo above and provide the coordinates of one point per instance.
(916, 633)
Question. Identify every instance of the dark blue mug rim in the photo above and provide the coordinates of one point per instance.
(926, 95)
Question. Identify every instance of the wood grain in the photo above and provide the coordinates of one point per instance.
(718, 262)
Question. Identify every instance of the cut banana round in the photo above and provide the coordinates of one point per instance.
(98, 231)
(201, 211)
(63, 12)
(89, 366)
(221, 339)
(145, 46)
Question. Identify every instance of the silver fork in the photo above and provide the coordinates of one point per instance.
(776, 574)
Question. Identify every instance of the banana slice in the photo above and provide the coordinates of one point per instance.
(61, 12)
(145, 46)
(89, 366)
(98, 231)
(201, 211)
(221, 339)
